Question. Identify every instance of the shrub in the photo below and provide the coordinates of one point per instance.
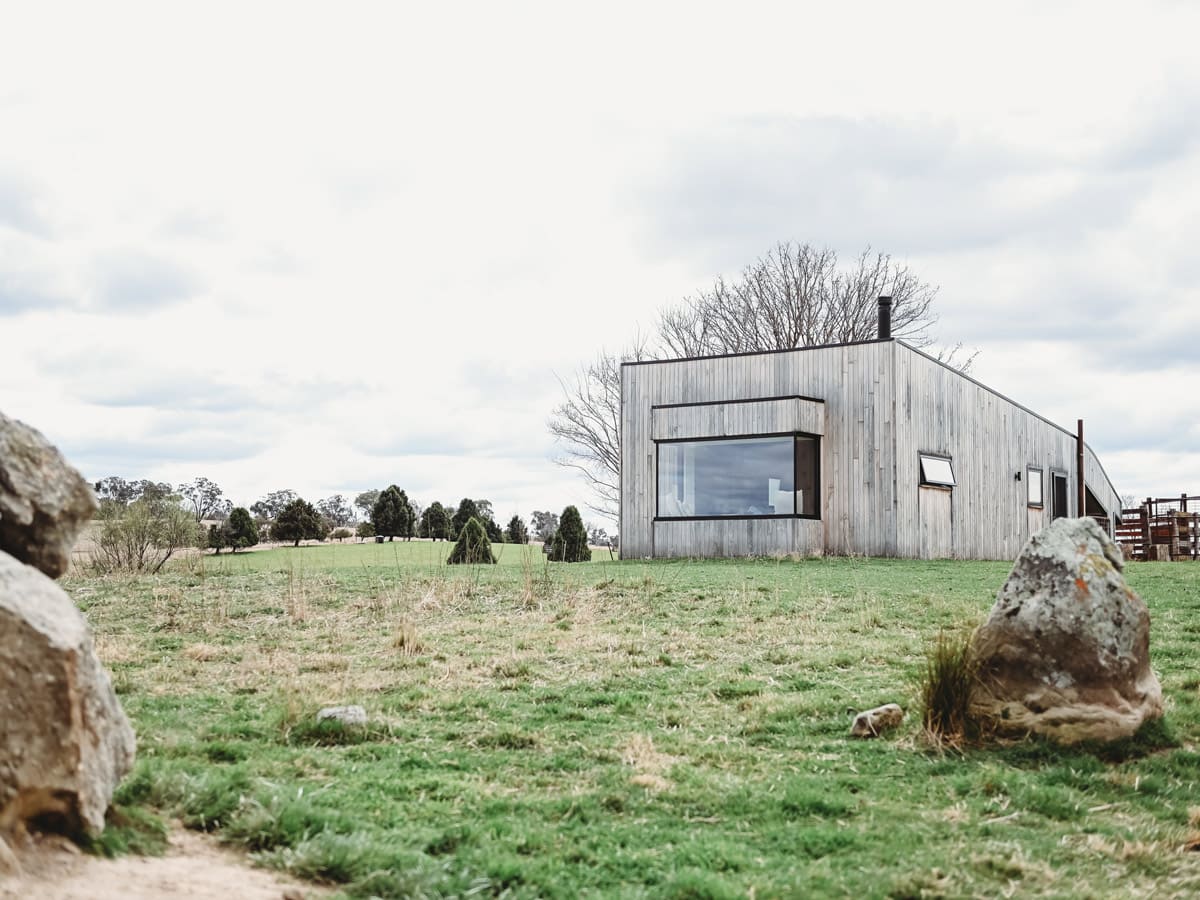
(950, 673)
(570, 542)
(218, 538)
(143, 535)
(299, 521)
(365, 530)
(473, 545)
(340, 534)
(242, 530)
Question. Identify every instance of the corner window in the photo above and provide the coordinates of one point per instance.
(744, 477)
(1033, 482)
(937, 471)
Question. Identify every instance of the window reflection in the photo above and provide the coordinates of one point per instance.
(738, 477)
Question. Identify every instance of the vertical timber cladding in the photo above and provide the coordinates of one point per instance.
(990, 439)
(857, 451)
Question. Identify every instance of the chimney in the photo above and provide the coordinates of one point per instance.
(885, 317)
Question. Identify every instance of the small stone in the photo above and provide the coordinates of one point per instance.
(1065, 652)
(874, 722)
(347, 715)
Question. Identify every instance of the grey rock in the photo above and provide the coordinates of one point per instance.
(66, 743)
(43, 500)
(1066, 650)
(347, 715)
(874, 722)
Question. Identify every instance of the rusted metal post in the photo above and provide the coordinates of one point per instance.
(1081, 509)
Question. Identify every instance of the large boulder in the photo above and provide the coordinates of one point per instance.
(43, 500)
(1065, 652)
(65, 742)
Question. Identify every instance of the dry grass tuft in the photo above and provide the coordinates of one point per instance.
(655, 783)
(203, 652)
(406, 639)
(639, 753)
(116, 649)
(950, 675)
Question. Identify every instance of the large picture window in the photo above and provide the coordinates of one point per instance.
(739, 477)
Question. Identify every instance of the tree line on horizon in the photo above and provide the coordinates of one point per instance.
(172, 517)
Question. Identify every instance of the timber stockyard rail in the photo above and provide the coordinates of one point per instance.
(1162, 529)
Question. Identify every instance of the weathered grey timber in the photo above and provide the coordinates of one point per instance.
(877, 406)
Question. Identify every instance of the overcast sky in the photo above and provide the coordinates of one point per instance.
(329, 247)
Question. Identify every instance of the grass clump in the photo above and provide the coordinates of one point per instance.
(950, 674)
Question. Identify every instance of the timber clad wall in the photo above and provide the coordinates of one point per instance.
(884, 403)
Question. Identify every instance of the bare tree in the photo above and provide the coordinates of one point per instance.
(797, 296)
(588, 425)
(204, 497)
(794, 296)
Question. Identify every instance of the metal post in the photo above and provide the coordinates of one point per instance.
(1081, 509)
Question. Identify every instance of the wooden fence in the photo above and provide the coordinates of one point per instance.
(1162, 529)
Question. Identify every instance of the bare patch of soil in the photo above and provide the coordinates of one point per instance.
(194, 867)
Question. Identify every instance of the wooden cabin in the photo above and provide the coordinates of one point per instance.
(871, 448)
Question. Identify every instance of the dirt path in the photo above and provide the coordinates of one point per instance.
(195, 868)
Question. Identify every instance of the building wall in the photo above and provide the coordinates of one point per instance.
(990, 440)
(857, 448)
(884, 404)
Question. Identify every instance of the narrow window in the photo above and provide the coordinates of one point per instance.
(1033, 480)
(937, 470)
(808, 476)
(1060, 502)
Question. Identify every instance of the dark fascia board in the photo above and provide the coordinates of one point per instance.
(730, 402)
(996, 393)
(677, 359)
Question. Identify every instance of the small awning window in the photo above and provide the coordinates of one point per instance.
(937, 470)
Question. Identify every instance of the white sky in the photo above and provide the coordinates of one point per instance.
(329, 247)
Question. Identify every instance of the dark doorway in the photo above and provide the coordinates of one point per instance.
(1058, 496)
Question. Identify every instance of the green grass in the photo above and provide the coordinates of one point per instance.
(634, 729)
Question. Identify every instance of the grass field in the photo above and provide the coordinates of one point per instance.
(633, 729)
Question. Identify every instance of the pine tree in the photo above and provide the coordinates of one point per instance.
(473, 545)
(467, 509)
(388, 514)
(516, 531)
(570, 541)
(408, 518)
(242, 530)
(435, 523)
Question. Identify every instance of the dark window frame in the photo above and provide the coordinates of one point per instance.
(941, 485)
(795, 435)
(1042, 473)
(1065, 476)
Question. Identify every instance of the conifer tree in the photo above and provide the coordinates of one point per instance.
(473, 545)
(388, 514)
(242, 530)
(516, 531)
(570, 541)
